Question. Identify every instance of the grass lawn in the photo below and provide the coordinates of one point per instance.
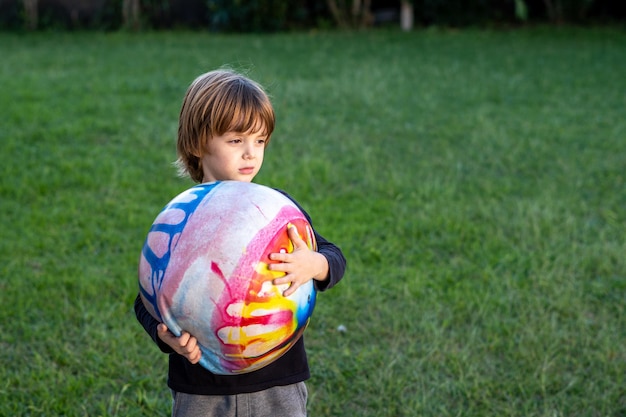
(474, 179)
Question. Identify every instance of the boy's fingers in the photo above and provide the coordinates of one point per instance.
(192, 343)
(279, 267)
(275, 257)
(283, 280)
(195, 356)
(292, 288)
(183, 339)
(292, 231)
(185, 344)
(298, 243)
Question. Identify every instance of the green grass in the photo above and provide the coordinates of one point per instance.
(474, 179)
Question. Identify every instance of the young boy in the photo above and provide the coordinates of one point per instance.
(226, 122)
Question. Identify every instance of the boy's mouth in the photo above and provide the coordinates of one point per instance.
(246, 170)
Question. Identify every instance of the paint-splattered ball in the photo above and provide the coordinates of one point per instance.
(203, 269)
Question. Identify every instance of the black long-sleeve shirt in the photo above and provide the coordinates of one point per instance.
(290, 368)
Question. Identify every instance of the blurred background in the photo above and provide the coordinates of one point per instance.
(279, 15)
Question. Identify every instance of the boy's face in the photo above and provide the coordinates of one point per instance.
(233, 156)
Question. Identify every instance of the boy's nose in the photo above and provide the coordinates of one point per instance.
(248, 153)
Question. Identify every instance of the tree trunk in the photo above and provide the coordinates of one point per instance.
(406, 15)
(130, 13)
(337, 13)
(31, 12)
(366, 16)
(354, 15)
(554, 10)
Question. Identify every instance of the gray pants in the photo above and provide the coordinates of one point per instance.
(287, 401)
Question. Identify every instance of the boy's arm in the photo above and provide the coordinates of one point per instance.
(185, 345)
(150, 324)
(336, 263)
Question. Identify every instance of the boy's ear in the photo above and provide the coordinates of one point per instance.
(198, 150)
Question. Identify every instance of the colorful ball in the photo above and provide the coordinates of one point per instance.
(204, 269)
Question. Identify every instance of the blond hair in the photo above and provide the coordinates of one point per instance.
(218, 102)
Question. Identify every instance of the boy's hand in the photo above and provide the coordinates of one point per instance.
(185, 345)
(300, 266)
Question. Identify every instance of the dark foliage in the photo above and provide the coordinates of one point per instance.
(279, 15)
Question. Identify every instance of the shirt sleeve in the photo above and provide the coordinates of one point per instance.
(336, 263)
(150, 324)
